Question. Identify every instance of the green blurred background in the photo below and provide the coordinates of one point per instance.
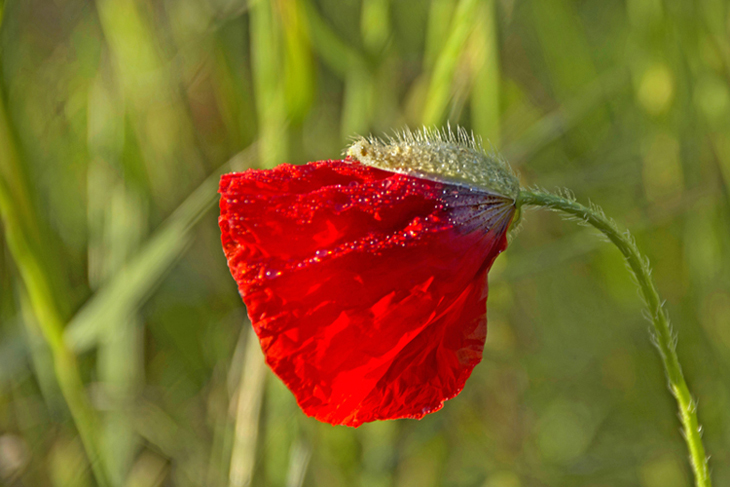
(126, 356)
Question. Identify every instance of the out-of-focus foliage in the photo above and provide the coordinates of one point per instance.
(122, 337)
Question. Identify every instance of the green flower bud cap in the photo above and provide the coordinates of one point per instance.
(444, 156)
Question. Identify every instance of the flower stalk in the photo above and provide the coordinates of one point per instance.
(663, 337)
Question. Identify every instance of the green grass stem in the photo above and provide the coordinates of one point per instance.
(43, 304)
(332, 50)
(267, 63)
(16, 214)
(440, 87)
(485, 110)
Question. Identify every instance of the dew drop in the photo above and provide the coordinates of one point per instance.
(272, 274)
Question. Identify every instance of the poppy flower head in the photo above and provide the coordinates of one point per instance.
(366, 280)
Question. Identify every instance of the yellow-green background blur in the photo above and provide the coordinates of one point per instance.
(123, 339)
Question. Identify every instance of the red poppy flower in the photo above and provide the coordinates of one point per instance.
(366, 287)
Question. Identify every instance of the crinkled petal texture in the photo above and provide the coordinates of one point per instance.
(366, 288)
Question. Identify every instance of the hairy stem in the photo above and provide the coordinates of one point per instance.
(665, 341)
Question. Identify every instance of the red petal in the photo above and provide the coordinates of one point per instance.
(367, 288)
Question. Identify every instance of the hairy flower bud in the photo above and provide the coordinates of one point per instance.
(443, 156)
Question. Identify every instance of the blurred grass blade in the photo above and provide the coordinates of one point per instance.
(117, 222)
(156, 110)
(233, 96)
(298, 63)
(555, 124)
(249, 397)
(350, 66)
(360, 97)
(484, 46)
(567, 54)
(43, 302)
(379, 446)
(15, 181)
(375, 24)
(123, 295)
(332, 50)
(441, 83)
(133, 283)
(41, 357)
(437, 30)
(357, 103)
(281, 429)
(564, 46)
(299, 456)
(14, 351)
(120, 361)
(150, 470)
(168, 437)
(269, 86)
(22, 210)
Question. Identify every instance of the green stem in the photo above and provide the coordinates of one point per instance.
(663, 333)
